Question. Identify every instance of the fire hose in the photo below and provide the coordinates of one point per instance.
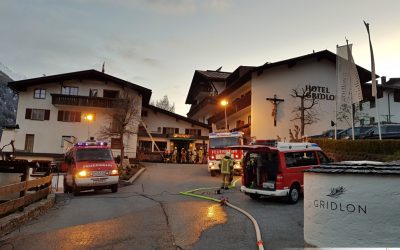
(225, 202)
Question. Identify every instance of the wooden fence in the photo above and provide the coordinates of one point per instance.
(30, 191)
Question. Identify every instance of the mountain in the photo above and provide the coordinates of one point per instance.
(8, 101)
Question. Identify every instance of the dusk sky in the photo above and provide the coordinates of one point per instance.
(159, 44)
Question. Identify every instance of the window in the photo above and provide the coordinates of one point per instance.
(372, 104)
(393, 129)
(93, 93)
(323, 159)
(145, 146)
(37, 114)
(29, 140)
(144, 113)
(116, 143)
(65, 140)
(69, 116)
(39, 94)
(67, 90)
(360, 106)
(162, 145)
(371, 120)
(362, 122)
(298, 159)
(116, 123)
(170, 130)
(110, 93)
(193, 131)
(396, 95)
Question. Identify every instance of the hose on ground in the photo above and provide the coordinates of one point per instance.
(260, 243)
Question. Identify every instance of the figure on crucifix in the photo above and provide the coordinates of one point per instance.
(275, 101)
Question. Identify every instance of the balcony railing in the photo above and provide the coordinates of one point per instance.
(206, 101)
(87, 101)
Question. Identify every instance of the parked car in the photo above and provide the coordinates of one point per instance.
(388, 131)
(328, 134)
(358, 132)
(278, 171)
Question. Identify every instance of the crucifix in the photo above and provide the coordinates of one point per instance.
(275, 101)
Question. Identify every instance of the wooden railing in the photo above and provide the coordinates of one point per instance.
(30, 191)
(87, 101)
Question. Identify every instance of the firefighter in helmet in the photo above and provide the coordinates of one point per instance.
(226, 165)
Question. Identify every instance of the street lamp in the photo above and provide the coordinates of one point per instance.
(88, 118)
(224, 103)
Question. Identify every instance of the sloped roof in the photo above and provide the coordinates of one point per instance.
(204, 76)
(365, 75)
(92, 74)
(175, 115)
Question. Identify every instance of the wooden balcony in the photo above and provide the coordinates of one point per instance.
(86, 101)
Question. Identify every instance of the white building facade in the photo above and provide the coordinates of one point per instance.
(261, 101)
(52, 112)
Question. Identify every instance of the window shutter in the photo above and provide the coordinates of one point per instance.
(164, 130)
(379, 93)
(78, 116)
(186, 131)
(28, 113)
(199, 132)
(176, 130)
(60, 115)
(47, 114)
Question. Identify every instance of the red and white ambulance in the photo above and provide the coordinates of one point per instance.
(90, 165)
(278, 170)
(218, 145)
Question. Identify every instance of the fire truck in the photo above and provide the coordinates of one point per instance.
(219, 143)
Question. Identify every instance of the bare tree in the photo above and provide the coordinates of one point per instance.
(124, 120)
(306, 112)
(164, 104)
(344, 114)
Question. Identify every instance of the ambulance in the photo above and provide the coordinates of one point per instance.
(90, 165)
(278, 170)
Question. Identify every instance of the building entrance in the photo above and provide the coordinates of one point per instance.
(182, 144)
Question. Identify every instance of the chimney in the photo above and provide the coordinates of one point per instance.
(383, 80)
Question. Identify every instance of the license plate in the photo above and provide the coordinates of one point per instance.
(99, 180)
(99, 173)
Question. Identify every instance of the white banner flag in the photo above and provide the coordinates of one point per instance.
(349, 86)
(373, 77)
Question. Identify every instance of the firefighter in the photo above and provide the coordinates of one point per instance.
(201, 155)
(226, 165)
(174, 155)
(183, 155)
(194, 155)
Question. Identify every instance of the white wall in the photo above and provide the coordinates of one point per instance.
(48, 134)
(330, 225)
(281, 81)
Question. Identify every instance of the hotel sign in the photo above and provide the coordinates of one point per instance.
(319, 93)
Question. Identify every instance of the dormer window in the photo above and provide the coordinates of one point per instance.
(68, 90)
(39, 94)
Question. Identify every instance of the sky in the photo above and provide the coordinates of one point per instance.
(159, 44)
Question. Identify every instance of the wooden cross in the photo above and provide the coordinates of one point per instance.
(275, 101)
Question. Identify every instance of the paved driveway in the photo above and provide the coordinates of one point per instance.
(151, 214)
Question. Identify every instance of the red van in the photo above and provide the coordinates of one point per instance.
(90, 165)
(278, 170)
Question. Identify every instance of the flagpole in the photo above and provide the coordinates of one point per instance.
(373, 81)
(351, 94)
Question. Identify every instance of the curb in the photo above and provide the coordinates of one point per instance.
(17, 219)
(133, 178)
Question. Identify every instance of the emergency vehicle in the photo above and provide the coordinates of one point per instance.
(218, 145)
(90, 165)
(278, 170)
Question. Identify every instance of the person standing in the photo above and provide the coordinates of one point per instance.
(201, 155)
(174, 155)
(194, 156)
(183, 155)
(226, 165)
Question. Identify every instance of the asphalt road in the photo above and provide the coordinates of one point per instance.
(151, 214)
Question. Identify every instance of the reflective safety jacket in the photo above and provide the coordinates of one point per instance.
(226, 165)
